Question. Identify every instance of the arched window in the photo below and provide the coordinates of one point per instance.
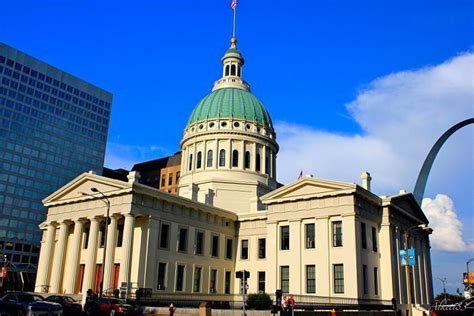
(247, 160)
(209, 158)
(198, 160)
(222, 158)
(238, 71)
(227, 70)
(232, 70)
(235, 158)
(190, 161)
(257, 162)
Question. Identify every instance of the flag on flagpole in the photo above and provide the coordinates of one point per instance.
(233, 4)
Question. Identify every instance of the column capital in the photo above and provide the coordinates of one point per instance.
(81, 220)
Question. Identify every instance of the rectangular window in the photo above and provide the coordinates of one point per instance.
(285, 279)
(363, 233)
(365, 279)
(177, 177)
(244, 250)
(197, 279)
(310, 236)
(164, 236)
(227, 282)
(228, 249)
(337, 234)
(212, 282)
(338, 271)
(215, 246)
(262, 251)
(180, 278)
(261, 281)
(102, 236)
(285, 237)
(163, 181)
(86, 238)
(183, 239)
(310, 279)
(199, 242)
(376, 281)
(161, 276)
(374, 239)
(170, 179)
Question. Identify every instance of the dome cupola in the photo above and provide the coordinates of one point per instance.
(229, 147)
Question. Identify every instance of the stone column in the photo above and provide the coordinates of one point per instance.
(253, 157)
(127, 247)
(47, 250)
(110, 254)
(263, 166)
(91, 258)
(70, 279)
(58, 260)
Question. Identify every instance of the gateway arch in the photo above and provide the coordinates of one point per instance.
(420, 185)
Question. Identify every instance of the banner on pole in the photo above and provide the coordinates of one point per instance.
(403, 258)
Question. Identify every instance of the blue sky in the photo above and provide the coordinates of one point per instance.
(316, 65)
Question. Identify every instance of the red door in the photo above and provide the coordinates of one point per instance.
(98, 278)
(116, 275)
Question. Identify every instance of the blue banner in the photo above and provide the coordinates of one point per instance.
(411, 256)
(403, 257)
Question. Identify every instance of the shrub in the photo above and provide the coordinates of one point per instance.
(260, 301)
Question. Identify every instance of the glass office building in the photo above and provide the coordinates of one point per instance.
(53, 126)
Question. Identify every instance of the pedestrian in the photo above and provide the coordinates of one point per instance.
(172, 309)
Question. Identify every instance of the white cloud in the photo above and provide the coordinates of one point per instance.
(125, 156)
(447, 234)
(401, 116)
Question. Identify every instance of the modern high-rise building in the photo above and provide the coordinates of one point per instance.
(52, 127)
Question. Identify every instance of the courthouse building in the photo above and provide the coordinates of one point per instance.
(310, 237)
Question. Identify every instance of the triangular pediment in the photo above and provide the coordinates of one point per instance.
(81, 186)
(408, 203)
(307, 187)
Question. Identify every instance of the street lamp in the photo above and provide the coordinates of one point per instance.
(444, 288)
(107, 221)
(423, 227)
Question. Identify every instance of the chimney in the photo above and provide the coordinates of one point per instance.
(133, 176)
(366, 178)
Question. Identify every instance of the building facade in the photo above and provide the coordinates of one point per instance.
(311, 237)
(162, 173)
(52, 127)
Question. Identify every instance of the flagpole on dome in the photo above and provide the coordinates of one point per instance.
(233, 5)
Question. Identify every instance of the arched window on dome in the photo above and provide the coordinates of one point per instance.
(232, 70)
(222, 158)
(209, 158)
(227, 70)
(235, 158)
(247, 160)
(190, 162)
(238, 70)
(199, 160)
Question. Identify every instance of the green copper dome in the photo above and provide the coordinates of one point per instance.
(231, 103)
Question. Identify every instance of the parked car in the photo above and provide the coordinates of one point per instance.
(70, 306)
(121, 308)
(25, 304)
(97, 306)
